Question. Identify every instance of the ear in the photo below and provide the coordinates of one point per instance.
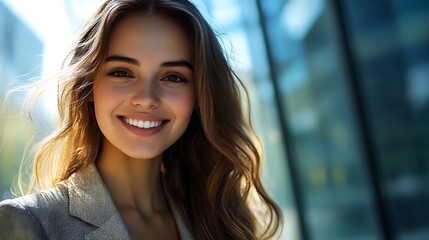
(91, 97)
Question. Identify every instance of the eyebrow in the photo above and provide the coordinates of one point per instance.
(117, 58)
(178, 63)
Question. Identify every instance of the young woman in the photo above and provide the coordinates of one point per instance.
(152, 144)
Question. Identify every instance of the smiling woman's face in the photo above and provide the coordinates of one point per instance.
(144, 92)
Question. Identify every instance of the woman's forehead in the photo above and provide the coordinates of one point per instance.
(147, 35)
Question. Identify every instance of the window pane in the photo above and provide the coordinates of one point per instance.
(390, 40)
(324, 136)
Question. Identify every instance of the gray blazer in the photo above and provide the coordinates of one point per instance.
(78, 208)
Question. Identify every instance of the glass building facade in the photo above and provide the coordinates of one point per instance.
(339, 95)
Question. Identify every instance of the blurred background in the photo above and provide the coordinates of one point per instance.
(339, 92)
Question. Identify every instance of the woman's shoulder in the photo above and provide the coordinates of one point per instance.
(76, 208)
(17, 222)
(39, 200)
(25, 217)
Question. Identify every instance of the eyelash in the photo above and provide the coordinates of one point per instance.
(174, 78)
(119, 74)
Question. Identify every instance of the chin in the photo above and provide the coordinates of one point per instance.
(144, 155)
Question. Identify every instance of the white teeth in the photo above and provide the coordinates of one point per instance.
(143, 124)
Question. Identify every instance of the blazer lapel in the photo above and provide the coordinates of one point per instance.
(110, 229)
(91, 202)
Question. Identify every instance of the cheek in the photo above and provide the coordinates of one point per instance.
(183, 103)
(107, 96)
(104, 106)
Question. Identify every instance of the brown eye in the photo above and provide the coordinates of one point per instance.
(120, 74)
(174, 79)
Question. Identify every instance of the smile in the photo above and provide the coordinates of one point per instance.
(143, 124)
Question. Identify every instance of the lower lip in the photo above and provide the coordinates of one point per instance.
(143, 132)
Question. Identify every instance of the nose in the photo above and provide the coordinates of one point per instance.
(146, 95)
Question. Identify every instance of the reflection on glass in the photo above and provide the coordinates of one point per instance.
(324, 136)
(391, 45)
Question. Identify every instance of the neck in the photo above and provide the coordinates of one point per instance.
(133, 183)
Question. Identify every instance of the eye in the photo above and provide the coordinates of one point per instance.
(174, 79)
(120, 74)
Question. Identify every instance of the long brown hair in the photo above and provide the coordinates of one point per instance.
(212, 171)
